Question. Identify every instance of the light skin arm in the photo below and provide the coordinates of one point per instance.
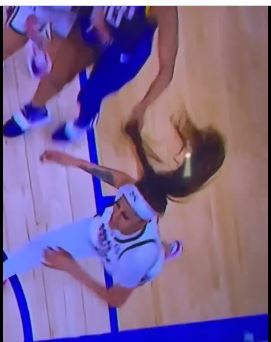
(107, 175)
(63, 261)
(167, 21)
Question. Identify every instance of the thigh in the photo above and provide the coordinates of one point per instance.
(74, 238)
(71, 56)
(12, 41)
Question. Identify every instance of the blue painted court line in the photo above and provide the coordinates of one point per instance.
(101, 202)
(240, 329)
(22, 306)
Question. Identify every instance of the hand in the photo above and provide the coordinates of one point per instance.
(58, 259)
(59, 157)
(138, 115)
(98, 22)
(33, 33)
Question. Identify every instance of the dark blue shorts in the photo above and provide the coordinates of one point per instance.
(111, 72)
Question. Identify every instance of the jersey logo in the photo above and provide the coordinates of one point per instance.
(115, 14)
(104, 242)
(133, 195)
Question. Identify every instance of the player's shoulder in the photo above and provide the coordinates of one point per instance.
(143, 252)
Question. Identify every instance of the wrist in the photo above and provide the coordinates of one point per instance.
(76, 162)
(73, 269)
(80, 163)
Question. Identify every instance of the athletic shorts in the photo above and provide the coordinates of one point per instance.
(60, 18)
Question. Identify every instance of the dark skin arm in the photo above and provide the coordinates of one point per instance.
(107, 175)
(63, 261)
(167, 21)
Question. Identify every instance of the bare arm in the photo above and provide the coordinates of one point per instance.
(115, 296)
(167, 20)
(63, 261)
(107, 175)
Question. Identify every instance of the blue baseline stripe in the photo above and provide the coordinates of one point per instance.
(234, 329)
(22, 305)
(101, 202)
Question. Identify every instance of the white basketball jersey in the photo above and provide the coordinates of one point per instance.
(112, 246)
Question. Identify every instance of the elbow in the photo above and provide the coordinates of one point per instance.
(117, 296)
(116, 305)
(116, 302)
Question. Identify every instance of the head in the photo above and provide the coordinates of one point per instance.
(124, 218)
(132, 209)
(202, 153)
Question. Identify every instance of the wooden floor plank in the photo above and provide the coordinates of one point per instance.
(221, 78)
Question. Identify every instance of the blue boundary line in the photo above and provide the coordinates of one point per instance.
(101, 202)
(22, 306)
(232, 329)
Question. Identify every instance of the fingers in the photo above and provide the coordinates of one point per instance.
(45, 156)
(49, 155)
(49, 252)
(42, 157)
(63, 250)
(47, 265)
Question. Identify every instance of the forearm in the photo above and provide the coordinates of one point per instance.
(107, 175)
(159, 84)
(110, 176)
(83, 277)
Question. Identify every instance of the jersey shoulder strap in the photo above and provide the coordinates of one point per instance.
(138, 244)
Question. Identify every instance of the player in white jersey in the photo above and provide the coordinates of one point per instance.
(125, 237)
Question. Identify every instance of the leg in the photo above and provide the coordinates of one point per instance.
(61, 20)
(71, 57)
(12, 42)
(109, 75)
(74, 238)
(14, 36)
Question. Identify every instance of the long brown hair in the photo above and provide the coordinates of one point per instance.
(207, 156)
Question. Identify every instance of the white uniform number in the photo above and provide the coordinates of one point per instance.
(115, 14)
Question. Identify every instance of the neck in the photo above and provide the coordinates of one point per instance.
(133, 230)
